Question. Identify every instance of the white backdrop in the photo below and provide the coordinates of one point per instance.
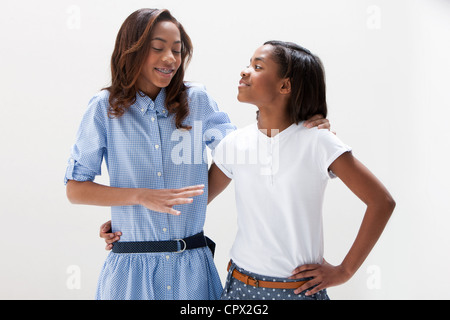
(387, 72)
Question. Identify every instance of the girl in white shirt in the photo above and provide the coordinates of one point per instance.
(281, 170)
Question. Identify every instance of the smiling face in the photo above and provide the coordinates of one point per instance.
(163, 60)
(260, 82)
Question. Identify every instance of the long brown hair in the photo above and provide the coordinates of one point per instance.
(130, 51)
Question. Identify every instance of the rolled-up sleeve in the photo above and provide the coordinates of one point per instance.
(87, 153)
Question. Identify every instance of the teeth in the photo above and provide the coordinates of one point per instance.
(166, 71)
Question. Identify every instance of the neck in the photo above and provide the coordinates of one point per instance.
(150, 90)
(273, 122)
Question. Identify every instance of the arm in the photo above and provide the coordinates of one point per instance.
(217, 182)
(380, 206)
(161, 200)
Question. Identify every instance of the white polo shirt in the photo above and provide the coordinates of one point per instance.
(280, 183)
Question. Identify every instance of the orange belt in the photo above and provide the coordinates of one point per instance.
(264, 284)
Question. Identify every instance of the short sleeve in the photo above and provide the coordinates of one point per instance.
(216, 124)
(329, 148)
(90, 144)
(220, 153)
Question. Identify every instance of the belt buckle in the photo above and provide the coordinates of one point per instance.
(256, 282)
(184, 247)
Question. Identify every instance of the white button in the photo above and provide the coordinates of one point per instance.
(142, 109)
(164, 229)
(159, 174)
(164, 111)
(153, 118)
(167, 257)
(169, 287)
(156, 146)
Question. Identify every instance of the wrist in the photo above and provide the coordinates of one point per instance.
(346, 270)
(138, 196)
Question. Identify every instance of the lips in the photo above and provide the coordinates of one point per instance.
(242, 83)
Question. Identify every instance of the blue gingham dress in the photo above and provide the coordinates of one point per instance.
(143, 149)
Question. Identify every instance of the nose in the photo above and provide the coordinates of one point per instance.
(169, 57)
(244, 72)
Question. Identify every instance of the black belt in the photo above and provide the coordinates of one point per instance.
(198, 240)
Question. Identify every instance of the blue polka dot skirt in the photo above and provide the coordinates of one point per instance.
(237, 290)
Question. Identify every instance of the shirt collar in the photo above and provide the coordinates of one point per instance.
(144, 103)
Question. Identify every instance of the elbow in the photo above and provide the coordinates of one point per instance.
(392, 203)
(384, 204)
(71, 191)
(388, 204)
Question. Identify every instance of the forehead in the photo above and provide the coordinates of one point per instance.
(264, 53)
(166, 30)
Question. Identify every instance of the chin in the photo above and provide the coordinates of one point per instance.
(241, 98)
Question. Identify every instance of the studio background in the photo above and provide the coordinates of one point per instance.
(387, 71)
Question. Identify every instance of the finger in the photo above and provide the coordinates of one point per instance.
(178, 201)
(304, 274)
(190, 188)
(314, 290)
(113, 239)
(319, 123)
(306, 286)
(173, 211)
(189, 194)
(305, 267)
(108, 247)
(105, 227)
(105, 235)
(324, 126)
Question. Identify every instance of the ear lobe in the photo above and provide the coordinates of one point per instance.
(286, 86)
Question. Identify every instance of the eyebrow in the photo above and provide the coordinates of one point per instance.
(163, 40)
(258, 59)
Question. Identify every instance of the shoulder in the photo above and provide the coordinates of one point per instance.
(101, 97)
(196, 90)
(327, 137)
(199, 96)
(98, 106)
(314, 134)
(100, 100)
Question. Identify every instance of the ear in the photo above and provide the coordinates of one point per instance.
(286, 86)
